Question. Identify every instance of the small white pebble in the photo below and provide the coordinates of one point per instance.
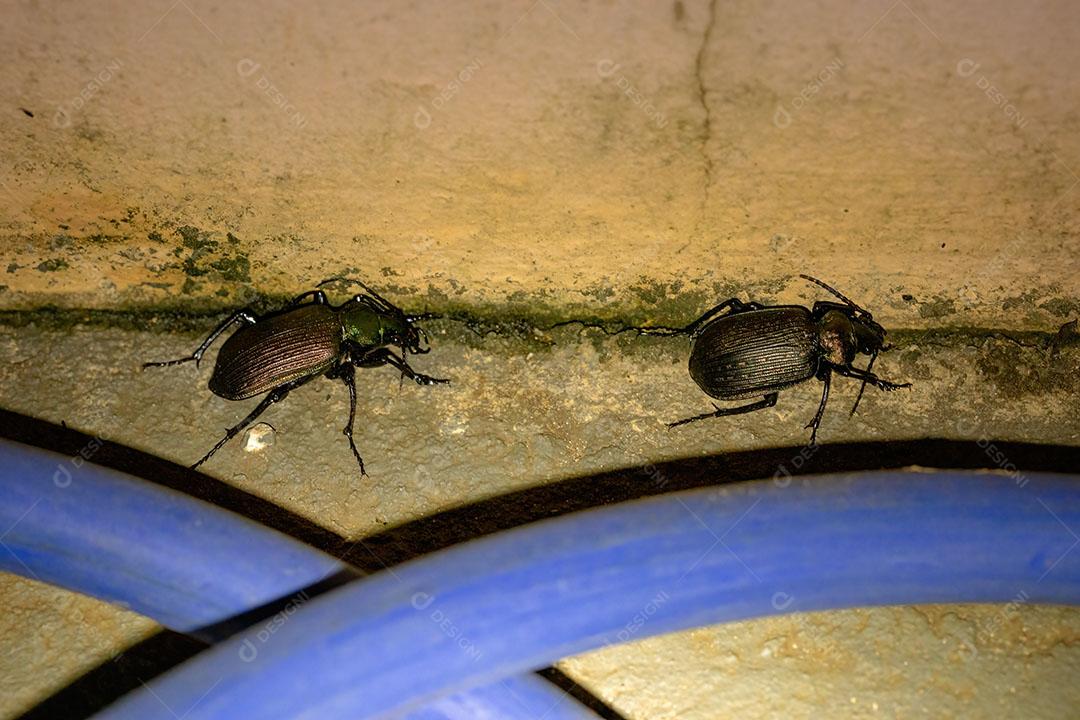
(259, 437)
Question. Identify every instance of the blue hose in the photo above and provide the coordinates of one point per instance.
(162, 554)
(188, 565)
(521, 599)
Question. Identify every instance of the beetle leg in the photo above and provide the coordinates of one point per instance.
(869, 377)
(862, 387)
(385, 356)
(348, 376)
(240, 315)
(736, 305)
(275, 395)
(826, 375)
(767, 402)
(318, 295)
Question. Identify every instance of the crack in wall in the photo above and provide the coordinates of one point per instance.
(706, 135)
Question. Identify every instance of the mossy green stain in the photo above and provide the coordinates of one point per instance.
(196, 239)
(234, 269)
(206, 256)
(1061, 307)
(53, 265)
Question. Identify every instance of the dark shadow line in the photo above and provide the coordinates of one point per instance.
(567, 684)
(285, 605)
(484, 517)
(116, 677)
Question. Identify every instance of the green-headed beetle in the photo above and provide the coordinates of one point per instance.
(278, 352)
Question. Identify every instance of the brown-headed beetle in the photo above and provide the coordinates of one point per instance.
(748, 350)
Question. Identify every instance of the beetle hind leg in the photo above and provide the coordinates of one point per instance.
(243, 316)
(318, 297)
(766, 402)
(276, 395)
(734, 304)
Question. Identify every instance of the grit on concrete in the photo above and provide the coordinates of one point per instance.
(529, 410)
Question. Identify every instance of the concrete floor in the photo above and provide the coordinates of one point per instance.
(569, 403)
(515, 165)
(553, 406)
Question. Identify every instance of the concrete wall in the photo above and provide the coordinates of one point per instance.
(557, 154)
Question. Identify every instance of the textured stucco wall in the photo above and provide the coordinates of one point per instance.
(490, 152)
(546, 161)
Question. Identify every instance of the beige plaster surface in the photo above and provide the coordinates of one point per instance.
(557, 154)
(959, 661)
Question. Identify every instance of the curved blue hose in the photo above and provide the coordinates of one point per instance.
(187, 564)
(521, 599)
(160, 553)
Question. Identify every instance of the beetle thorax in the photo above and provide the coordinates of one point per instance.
(836, 336)
(366, 327)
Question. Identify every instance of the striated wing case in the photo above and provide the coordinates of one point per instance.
(257, 358)
(753, 353)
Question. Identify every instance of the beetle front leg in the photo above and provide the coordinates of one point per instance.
(276, 395)
(869, 377)
(767, 402)
(347, 374)
(240, 315)
(385, 356)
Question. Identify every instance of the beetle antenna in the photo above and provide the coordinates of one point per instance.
(862, 388)
(389, 305)
(835, 292)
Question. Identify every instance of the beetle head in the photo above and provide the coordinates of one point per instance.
(869, 334)
(397, 328)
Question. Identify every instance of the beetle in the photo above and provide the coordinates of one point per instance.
(754, 350)
(280, 351)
